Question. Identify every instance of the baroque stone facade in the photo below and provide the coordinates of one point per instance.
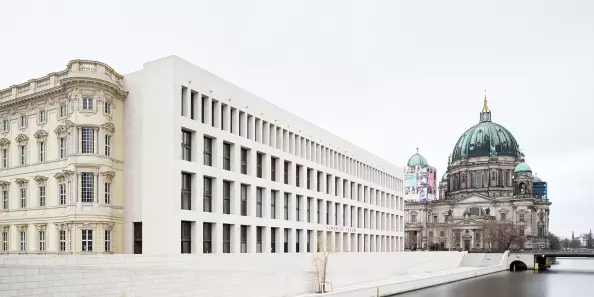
(487, 198)
(61, 162)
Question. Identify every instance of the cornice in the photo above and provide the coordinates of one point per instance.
(80, 79)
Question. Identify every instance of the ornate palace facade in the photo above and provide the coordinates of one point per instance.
(61, 150)
(487, 197)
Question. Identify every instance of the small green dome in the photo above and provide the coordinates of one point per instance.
(445, 176)
(523, 167)
(417, 160)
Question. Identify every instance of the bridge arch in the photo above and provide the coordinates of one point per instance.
(517, 265)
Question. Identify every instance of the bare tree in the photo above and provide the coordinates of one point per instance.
(321, 264)
(503, 234)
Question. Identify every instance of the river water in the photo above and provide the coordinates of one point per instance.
(570, 277)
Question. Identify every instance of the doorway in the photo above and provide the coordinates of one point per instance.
(467, 245)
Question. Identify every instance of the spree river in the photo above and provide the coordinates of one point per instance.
(570, 277)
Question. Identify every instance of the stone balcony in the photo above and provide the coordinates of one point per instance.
(76, 69)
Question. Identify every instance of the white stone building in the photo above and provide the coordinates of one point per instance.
(209, 168)
(62, 156)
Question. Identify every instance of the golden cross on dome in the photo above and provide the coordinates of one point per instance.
(485, 107)
(417, 148)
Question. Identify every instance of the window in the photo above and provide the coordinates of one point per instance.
(226, 197)
(286, 172)
(23, 150)
(259, 239)
(186, 191)
(521, 217)
(273, 239)
(521, 232)
(62, 240)
(226, 238)
(107, 193)
(62, 148)
(244, 156)
(318, 181)
(5, 125)
(207, 200)
(5, 241)
(286, 242)
(297, 235)
(243, 235)
(62, 193)
(503, 216)
(42, 152)
(107, 148)
(63, 111)
(207, 151)
(318, 211)
(259, 202)
(87, 240)
(41, 196)
(186, 237)
(5, 200)
(309, 210)
(259, 157)
(244, 200)
(107, 108)
(298, 208)
(435, 220)
(87, 103)
(87, 187)
(42, 116)
(226, 156)
(22, 121)
(297, 175)
(207, 238)
(186, 146)
(442, 233)
(309, 179)
(23, 197)
(5, 158)
(273, 162)
(273, 204)
(107, 240)
(413, 218)
(41, 246)
(137, 237)
(88, 140)
(286, 205)
(23, 241)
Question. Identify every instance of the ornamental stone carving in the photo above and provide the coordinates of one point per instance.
(40, 179)
(61, 131)
(4, 185)
(21, 182)
(4, 142)
(108, 175)
(109, 127)
(41, 135)
(22, 139)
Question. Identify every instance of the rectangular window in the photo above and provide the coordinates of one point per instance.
(186, 191)
(309, 209)
(41, 247)
(88, 140)
(521, 217)
(5, 125)
(273, 239)
(308, 179)
(107, 147)
(42, 152)
(23, 241)
(259, 158)
(273, 162)
(244, 161)
(62, 148)
(521, 233)
(318, 211)
(207, 151)
(107, 240)
(22, 121)
(186, 145)
(244, 194)
(41, 196)
(107, 108)
(286, 172)
(297, 175)
(5, 200)
(226, 238)
(107, 193)
(243, 235)
(286, 242)
(87, 240)
(23, 151)
(186, 237)
(88, 187)
(42, 116)
(5, 241)
(87, 103)
(226, 156)
(297, 235)
(286, 206)
(62, 240)
(318, 181)
(137, 237)
(207, 238)
(298, 208)
(207, 200)
(273, 204)
(5, 158)
(63, 111)
(503, 216)
(259, 202)
(226, 197)
(62, 193)
(259, 231)
(23, 197)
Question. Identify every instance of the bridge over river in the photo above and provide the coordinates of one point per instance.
(529, 260)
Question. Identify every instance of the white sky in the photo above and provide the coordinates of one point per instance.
(395, 74)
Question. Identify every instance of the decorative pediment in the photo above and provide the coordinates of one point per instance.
(109, 175)
(109, 127)
(61, 130)
(4, 142)
(40, 179)
(59, 176)
(522, 211)
(504, 210)
(468, 221)
(21, 181)
(4, 184)
(22, 138)
(68, 173)
(69, 124)
(40, 134)
(475, 199)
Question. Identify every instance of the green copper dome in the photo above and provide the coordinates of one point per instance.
(522, 167)
(485, 139)
(417, 160)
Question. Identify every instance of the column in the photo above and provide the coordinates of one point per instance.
(323, 211)
(259, 131)
(216, 196)
(235, 120)
(96, 181)
(236, 238)
(266, 240)
(96, 135)
(251, 128)
(75, 141)
(243, 126)
(216, 111)
(225, 110)
(207, 111)
(78, 184)
(314, 241)
(251, 238)
(186, 105)
(303, 241)
(272, 134)
(217, 238)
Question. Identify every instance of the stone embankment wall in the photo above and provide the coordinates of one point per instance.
(258, 275)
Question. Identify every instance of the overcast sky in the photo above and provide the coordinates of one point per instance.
(384, 75)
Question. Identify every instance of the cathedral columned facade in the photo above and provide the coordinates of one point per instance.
(487, 197)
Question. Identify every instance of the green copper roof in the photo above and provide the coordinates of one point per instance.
(417, 160)
(522, 167)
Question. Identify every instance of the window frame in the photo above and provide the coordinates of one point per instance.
(227, 188)
(62, 143)
(63, 110)
(107, 241)
(186, 191)
(107, 145)
(42, 116)
(107, 193)
(41, 241)
(5, 199)
(87, 138)
(23, 193)
(207, 194)
(87, 103)
(42, 195)
(207, 151)
(259, 209)
(23, 154)
(227, 156)
(87, 187)
(86, 240)
(62, 194)
(5, 158)
(244, 200)
(186, 145)
(42, 150)
(62, 240)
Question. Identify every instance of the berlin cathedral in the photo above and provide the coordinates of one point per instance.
(489, 198)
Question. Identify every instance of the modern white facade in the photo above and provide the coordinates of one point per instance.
(173, 159)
